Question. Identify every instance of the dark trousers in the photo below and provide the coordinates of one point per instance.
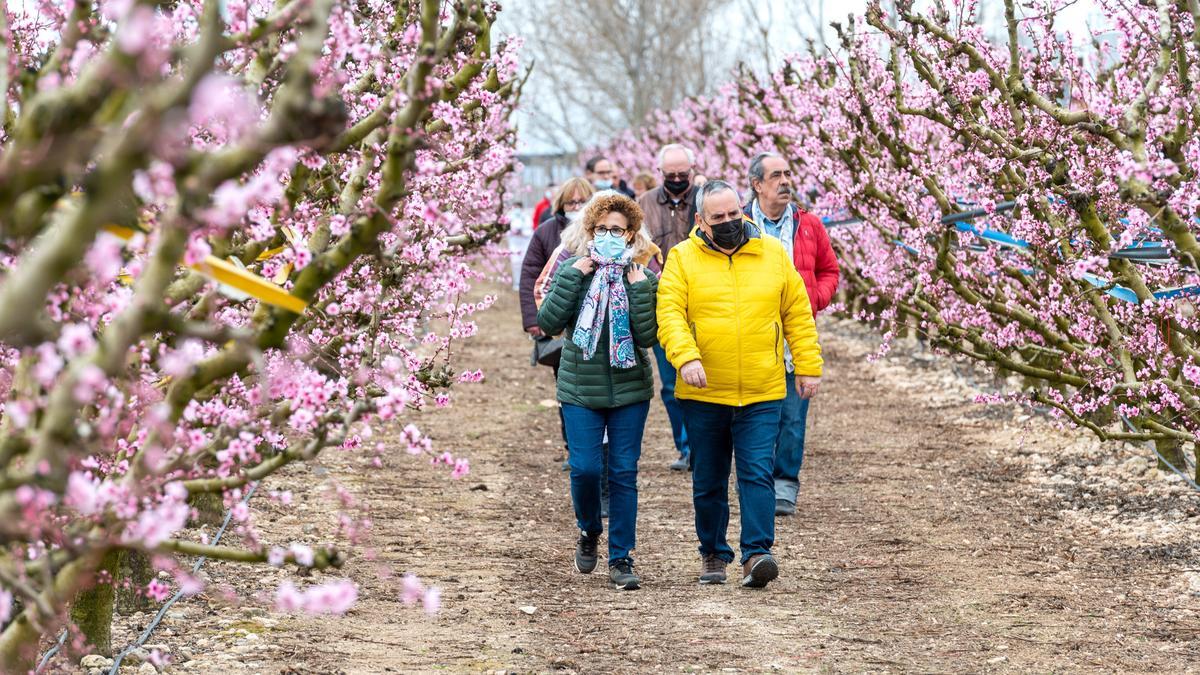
(585, 436)
(789, 444)
(722, 435)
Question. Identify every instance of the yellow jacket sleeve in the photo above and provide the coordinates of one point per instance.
(799, 328)
(674, 334)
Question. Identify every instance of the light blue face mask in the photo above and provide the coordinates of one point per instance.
(610, 246)
(603, 184)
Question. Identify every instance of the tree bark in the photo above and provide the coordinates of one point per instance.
(135, 573)
(92, 610)
(1172, 450)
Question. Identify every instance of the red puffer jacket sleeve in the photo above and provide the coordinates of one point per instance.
(825, 265)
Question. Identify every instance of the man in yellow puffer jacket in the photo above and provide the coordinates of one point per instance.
(728, 300)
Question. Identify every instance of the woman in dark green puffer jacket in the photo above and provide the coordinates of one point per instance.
(606, 304)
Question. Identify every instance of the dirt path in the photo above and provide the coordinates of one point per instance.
(922, 544)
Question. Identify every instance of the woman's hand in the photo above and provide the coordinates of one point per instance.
(635, 274)
(585, 265)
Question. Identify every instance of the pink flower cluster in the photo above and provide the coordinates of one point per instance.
(334, 597)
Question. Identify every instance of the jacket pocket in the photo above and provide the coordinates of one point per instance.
(777, 331)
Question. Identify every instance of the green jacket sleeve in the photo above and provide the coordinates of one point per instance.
(562, 301)
(642, 320)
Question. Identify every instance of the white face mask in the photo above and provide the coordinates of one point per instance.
(571, 214)
(548, 194)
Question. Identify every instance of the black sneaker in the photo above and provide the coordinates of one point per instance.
(784, 508)
(622, 576)
(585, 553)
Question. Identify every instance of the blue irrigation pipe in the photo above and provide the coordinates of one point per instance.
(50, 653)
(1148, 252)
(62, 637)
(116, 666)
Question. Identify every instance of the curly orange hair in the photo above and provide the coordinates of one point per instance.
(604, 203)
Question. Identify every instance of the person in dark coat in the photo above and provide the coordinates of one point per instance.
(565, 206)
(567, 202)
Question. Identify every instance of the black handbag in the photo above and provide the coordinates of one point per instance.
(546, 351)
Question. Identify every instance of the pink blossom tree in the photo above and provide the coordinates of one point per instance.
(233, 234)
(1076, 148)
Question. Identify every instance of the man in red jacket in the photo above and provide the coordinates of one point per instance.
(776, 214)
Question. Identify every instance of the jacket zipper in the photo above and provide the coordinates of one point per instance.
(738, 322)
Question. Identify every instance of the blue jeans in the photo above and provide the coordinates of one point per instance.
(746, 435)
(789, 444)
(666, 372)
(585, 436)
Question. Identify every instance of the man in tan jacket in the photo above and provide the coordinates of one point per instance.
(669, 216)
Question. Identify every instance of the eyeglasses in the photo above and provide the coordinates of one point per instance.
(601, 229)
(577, 203)
(677, 175)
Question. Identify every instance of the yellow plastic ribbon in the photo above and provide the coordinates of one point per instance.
(234, 276)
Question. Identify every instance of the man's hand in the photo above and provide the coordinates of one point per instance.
(585, 265)
(635, 274)
(807, 386)
(535, 331)
(693, 373)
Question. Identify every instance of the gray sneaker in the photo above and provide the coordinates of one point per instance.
(759, 570)
(784, 508)
(621, 575)
(712, 570)
(585, 553)
(680, 464)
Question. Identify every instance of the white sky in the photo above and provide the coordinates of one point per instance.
(783, 13)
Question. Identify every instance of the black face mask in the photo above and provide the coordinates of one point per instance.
(729, 235)
(677, 187)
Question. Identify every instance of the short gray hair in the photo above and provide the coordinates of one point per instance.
(712, 187)
(676, 146)
(756, 166)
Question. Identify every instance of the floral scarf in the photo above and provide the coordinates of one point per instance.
(606, 297)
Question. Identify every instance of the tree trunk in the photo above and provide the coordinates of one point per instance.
(92, 610)
(1172, 450)
(210, 508)
(135, 573)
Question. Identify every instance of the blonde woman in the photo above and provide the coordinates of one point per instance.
(574, 242)
(567, 203)
(605, 301)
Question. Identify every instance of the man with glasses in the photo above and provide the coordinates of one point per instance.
(728, 299)
(669, 213)
(777, 214)
(602, 174)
